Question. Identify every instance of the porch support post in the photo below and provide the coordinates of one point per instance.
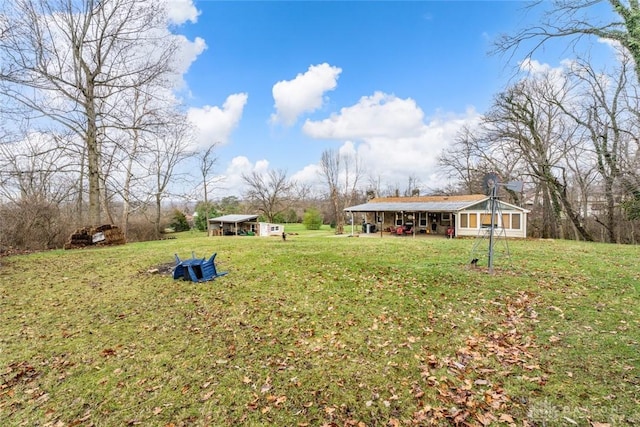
(352, 219)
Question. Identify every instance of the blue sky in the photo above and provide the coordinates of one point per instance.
(278, 82)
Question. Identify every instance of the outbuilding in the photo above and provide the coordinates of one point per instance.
(242, 225)
(233, 225)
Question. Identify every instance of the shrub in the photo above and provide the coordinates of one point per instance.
(204, 211)
(179, 221)
(32, 224)
(312, 219)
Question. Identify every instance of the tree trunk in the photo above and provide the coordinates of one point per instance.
(561, 191)
(335, 203)
(158, 212)
(93, 163)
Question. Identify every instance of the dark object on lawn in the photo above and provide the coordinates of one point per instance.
(474, 262)
(284, 236)
(103, 235)
(196, 269)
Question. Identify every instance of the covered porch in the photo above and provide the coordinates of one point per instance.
(433, 215)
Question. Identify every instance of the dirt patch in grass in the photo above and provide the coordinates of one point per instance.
(165, 269)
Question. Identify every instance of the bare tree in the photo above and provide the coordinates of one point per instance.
(37, 182)
(268, 192)
(522, 119)
(600, 112)
(575, 19)
(168, 149)
(206, 162)
(468, 159)
(69, 60)
(342, 173)
(139, 116)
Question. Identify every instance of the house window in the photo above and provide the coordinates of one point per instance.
(485, 219)
(446, 218)
(515, 221)
(423, 219)
(275, 228)
(505, 221)
(464, 220)
(398, 218)
(473, 220)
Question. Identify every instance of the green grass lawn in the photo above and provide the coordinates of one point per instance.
(322, 330)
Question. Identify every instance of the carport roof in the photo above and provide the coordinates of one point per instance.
(235, 218)
(417, 204)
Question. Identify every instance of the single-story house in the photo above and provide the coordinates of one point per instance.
(242, 225)
(456, 215)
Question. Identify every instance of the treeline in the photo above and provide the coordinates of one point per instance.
(571, 134)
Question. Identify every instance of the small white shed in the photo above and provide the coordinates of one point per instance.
(266, 229)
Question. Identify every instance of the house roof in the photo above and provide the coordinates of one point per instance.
(235, 218)
(417, 204)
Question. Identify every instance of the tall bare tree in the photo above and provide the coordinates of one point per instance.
(600, 111)
(140, 116)
(522, 119)
(268, 192)
(342, 173)
(69, 60)
(206, 162)
(169, 148)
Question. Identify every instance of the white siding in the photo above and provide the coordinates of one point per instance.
(267, 229)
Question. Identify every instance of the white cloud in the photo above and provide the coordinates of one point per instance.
(533, 66)
(231, 180)
(261, 166)
(309, 173)
(181, 11)
(184, 56)
(303, 94)
(377, 116)
(391, 137)
(395, 159)
(215, 124)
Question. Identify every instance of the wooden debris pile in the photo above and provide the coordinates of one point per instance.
(106, 234)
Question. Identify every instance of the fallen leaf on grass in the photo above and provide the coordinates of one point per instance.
(108, 352)
(207, 396)
(506, 418)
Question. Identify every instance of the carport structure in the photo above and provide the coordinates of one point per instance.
(233, 225)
